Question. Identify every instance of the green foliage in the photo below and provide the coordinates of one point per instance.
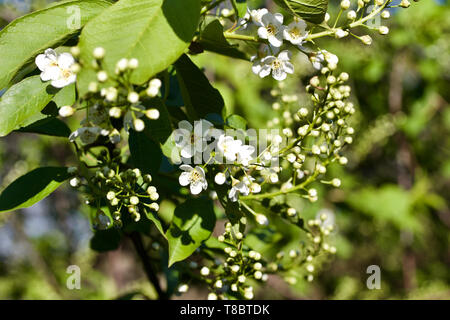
(145, 153)
(48, 126)
(22, 101)
(155, 32)
(32, 187)
(309, 10)
(29, 35)
(193, 223)
(199, 96)
(212, 39)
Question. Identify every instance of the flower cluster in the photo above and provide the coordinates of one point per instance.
(270, 27)
(115, 188)
(110, 98)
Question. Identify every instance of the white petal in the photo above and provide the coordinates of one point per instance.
(187, 151)
(183, 179)
(262, 33)
(196, 188)
(279, 74)
(42, 62)
(288, 67)
(265, 71)
(186, 167)
(183, 124)
(279, 17)
(277, 40)
(65, 60)
(60, 83)
(284, 55)
(51, 73)
(256, 67)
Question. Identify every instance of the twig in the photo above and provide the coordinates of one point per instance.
(148, 268)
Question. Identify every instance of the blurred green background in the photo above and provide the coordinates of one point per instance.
(392, 209)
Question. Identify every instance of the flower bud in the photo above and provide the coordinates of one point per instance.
(367, 40)
(345, 4)
(66, 111)
(102, 76)
(152, 114)
(133, 97)
(99, 53)
(133, 63)
(138, 125)
(351, 15)
(405, 4)
(383, 30)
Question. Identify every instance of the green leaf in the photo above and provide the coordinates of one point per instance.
(31, 34)
(200, 97)
(310, 10)
(48, 126)
(236, 122)
(193, 223)
(66, 96)
(106, 240)
(212, 39)
(240, 6)
(145, 153)
(32, 188)
(151, 215)
(22, 101)
(159, 129)
(155, 32)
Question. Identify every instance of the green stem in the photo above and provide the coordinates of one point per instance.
(234, 36)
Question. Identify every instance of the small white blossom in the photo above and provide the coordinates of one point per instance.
(228, 147)
(192, 139)
(87, 135)
(279, 66)
(256, 16)
(56, 67)
(195, 177)
(295, 32)
(272, 28)
(239, 187)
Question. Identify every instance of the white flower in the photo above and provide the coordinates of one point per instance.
(295, 32)
(195, 177)
(264, 51)
(244, 154)
(272, 28)
(192, 139)
(257, 15)
(56, 67)
(240, 187)
(279, 66)
(88, 135)
(228, 147)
